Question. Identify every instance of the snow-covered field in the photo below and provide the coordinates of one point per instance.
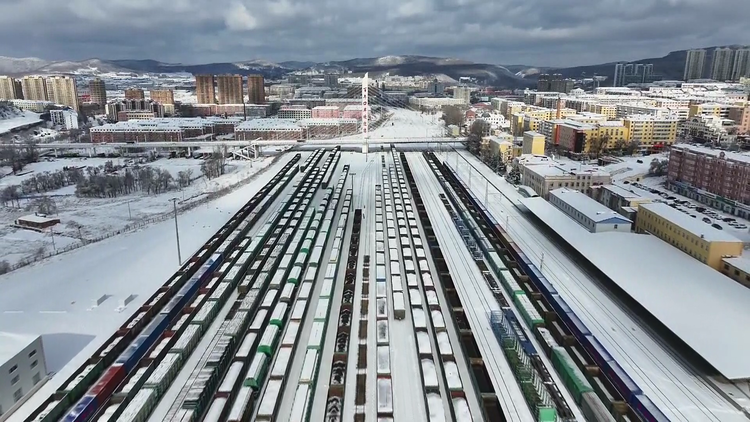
(101, 216)
(406, 123)
(22, 119)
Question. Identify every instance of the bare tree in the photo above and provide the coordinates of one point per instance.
(4, 267)
(480, 128)
(597, 145)
(658, 167)
(45, 205)
(632, 147)
(453, 115)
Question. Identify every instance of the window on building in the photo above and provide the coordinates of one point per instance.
(737, 273)
(615, 226)
(17, 395)
(34, 364)
(12, 369)
(726, 266)
(15, 380)
(36, 378)
(32, 353)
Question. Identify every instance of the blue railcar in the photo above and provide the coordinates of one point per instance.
(560, 306)
(621, 380)
(83, 410)
(138, 348)
(646, 409)
(596, 351)
(172, 307)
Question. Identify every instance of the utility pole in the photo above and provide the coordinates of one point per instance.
(177, 230)
(130, 216)
(52, 232)
(486, 192)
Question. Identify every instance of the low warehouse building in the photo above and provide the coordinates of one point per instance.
(590, 214)
(37, 221)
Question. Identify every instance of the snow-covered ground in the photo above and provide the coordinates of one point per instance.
(22, 119)
(101, 216)
(56, 295)
(405, 123)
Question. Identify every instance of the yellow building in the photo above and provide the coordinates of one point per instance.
(502, 145)
(650, 130)
(738, 269)
(613, 131)
(608, 110)
(533, 143)
(710, 109)
(690, 235)
(531, 124)
(588, 117)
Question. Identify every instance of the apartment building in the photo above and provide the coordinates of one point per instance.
(269, 129)
(34, 88)
(204, 89)
(619, 199)
(722, 173)
(651, 131)
(23, 370)
(134, 94)
(462, 93)
(32, 105)
(294, 112)
(626, 110)
(256, 90)
(98, 90)
(741, 65)
(694, 63)
(533, 143)
(741, 117)
(690, 235)
(162, 96)
(230, 89)
(68, 119)
(546, 175)
(325, 112)
(590, 214)
(8, 88)
(721, 64)
(608, 110)
(710, 109)
(62, 90)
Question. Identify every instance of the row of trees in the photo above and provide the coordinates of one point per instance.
(110, 180)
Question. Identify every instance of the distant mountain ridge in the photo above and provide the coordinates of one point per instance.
(445, 69)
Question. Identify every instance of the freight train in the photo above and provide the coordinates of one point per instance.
(644, 408)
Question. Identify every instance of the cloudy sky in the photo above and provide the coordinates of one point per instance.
(533, 32)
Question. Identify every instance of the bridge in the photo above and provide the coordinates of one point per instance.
(237, 144)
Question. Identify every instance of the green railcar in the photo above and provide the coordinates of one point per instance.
(573, 378)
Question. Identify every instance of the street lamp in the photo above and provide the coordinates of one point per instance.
(177, 230)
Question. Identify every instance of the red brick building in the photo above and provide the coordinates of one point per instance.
(721, 173)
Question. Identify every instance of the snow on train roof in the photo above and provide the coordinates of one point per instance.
(703, 307)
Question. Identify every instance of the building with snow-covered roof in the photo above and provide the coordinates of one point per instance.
(690, 235)
(546, 175)
(269, 130)
(590, 214)
(737, 268)
(325, 112)
(37, 221)
(22, 370)
(618, 199)
(294, 112)
(164, 129)
(353, 111)
(328, 128)
(37, 106)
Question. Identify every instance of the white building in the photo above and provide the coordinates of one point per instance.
(68, 119)
(545, 175)
(22, 370)
(592, 215)
(294, 113)
(37, 106)
(462, 93)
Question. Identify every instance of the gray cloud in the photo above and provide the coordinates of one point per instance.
(535, 32)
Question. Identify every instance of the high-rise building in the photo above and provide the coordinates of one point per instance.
(162, 96)
(629, 73)
(7, 88)
(34, 88)
(256, 90)
(230, 89)
(18, 89)
(462, 93)
(554, 83)
(98, 91)
(694, 64)
(62, 90)
(134, 94)
(204, 89)
(331, 80)
(741, 65)
(721, 65)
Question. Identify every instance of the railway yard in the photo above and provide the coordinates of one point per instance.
(379, 287)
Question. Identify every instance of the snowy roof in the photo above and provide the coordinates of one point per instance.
(11, 344)
(325, 108)
(687, 223)
(268, 124)
(669, 284)
(729, 155)
(742, 263)
(586, 206)
(552, 168)
(622, 192)
(33, 218)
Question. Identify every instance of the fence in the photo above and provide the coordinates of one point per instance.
(185, 206)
